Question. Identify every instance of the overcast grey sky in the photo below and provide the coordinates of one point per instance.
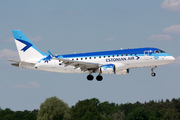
(82, 26)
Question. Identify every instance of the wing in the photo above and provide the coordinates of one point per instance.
(84, 66)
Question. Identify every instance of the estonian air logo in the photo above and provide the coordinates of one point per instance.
(122, 59)
(28, 45)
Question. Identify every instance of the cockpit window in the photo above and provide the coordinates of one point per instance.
(161, 51)
(156, 51)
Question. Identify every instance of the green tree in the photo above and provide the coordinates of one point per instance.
(86, 110)
(139, 114)
(128, 107)
(155, 115)
(117, 116)
(108, 108)
(8, 117)
(170, 114)
(54, 109)
(6, 114)
(111, 111)
(1, 113)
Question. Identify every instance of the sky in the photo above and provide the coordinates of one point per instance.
(65, 27)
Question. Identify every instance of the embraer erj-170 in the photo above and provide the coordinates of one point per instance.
(104, 62)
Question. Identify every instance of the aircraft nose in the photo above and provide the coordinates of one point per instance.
(171, 58)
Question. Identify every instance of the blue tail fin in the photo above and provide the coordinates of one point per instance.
(26, 49)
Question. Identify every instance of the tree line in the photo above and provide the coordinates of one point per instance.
(92, 109)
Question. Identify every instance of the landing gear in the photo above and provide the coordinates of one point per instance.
(152, 69)
(90, 77)
(153, 74)
(99, 78)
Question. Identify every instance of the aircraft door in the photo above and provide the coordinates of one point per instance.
(146, 55)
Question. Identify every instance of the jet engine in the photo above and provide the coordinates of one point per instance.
(122, 72)
(114, 69)
(107, 69)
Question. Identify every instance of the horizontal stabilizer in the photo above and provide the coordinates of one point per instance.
(22, 62)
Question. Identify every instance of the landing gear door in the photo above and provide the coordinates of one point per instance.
(146, 55)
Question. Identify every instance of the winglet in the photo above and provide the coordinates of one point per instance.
(50, 53)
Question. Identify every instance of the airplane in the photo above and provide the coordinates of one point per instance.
(103, 62)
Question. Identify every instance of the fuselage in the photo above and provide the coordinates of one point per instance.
(131, 58)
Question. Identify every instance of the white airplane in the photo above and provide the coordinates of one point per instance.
(104, 62)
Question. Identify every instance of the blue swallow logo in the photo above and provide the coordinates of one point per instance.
(105, 68)
(28, 45)
(46, 59)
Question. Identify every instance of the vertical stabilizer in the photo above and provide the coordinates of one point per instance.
(26, 49)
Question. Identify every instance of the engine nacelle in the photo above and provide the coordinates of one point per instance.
(107, 69)
(122, 72)
(121, 69)
(114, 69)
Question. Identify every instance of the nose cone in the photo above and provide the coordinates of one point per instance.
(171, 59)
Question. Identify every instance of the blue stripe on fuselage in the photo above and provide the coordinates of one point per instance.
(137, 51)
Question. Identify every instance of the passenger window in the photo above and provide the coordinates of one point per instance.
(72, 59)
(113, 56)
(86, 58)
(131, 54)
(81, 58)
(108, 56)
(99, 56)
(89, 57)
(94, 57)
(117, 55)
(122, 55)
(135, 54)
(126, 54)
(104, 56)
(77, 59)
